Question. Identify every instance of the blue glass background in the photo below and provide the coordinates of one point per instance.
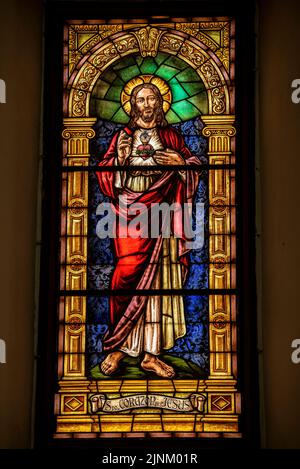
(194, 346)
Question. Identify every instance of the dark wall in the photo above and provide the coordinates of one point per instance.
(279, 150)
(278, 198)
(20, 67)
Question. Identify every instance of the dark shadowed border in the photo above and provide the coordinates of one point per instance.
(55, 15)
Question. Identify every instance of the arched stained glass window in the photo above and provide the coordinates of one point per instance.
(147, 300)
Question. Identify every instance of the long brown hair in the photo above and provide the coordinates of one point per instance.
(158, 111)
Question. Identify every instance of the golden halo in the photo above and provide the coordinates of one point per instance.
(140, 80)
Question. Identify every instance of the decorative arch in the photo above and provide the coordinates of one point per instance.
(194, 52)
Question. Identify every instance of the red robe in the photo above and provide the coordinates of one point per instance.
(136, 258)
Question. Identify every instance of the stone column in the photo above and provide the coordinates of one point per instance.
(223, 400)
(72, 400)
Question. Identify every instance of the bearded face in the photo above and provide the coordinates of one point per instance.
(146, 104)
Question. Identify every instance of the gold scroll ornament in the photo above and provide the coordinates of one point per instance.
(138, 401)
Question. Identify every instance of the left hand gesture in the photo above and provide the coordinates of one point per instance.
(168, 157)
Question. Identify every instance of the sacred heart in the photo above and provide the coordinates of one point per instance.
(145, 151)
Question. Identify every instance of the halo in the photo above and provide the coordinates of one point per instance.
(140, 80)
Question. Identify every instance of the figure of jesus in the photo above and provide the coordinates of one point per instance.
(140, 325)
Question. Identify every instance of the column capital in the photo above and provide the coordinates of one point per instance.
(218, 126)
(77, 133)
(79, 128)
(219, 120)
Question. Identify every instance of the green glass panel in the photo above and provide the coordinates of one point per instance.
(106, 109)
(114, 93)
(139, 60)
(200, 101)
(127, 62)
(185, 110)
(160, 58)
(148, 66)
(188, 98)
(109, 75)
(127, 73)
(172, 117)
(100, 89)
(118, 82)
(178, 93)
(176, 62)
(174, 81)
(166, 72)
(93, 107)
(193, 88)
(120, 117)
(188, 75)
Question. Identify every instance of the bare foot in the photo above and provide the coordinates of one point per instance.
(153, 363)
(111, 363)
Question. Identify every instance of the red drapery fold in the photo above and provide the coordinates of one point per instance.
(136, 258)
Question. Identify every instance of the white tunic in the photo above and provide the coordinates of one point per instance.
(137, 180)
(163, 319)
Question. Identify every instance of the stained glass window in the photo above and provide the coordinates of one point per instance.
(147, 310)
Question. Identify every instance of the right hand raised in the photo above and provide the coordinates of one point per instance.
(124, 147)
